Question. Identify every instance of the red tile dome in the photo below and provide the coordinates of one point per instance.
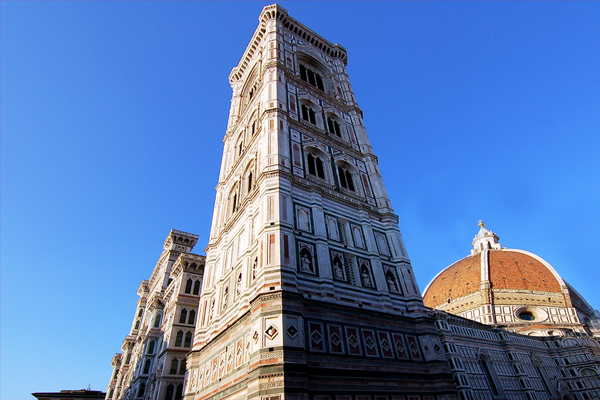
(507, 269)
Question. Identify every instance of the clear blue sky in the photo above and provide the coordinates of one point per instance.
(112, 116)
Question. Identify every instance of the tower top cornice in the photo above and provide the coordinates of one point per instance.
(180, 241)
(275, 11)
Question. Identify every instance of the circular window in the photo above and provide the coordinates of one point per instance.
(531, 314)
(526, 315)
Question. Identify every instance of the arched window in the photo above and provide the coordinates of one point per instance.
(182, 367)
(140, 313)
(333, 127)
(308, 114)
(151, 347)
(179, 392)
(174, 365)
(196, 287)
(315, 166)
(170, 390)
(232, 201)
(192, 317)
(311, 77)
(128, 359)
(147, 365)
(142, 389)
(179, 339)
(188, 286)
(188, 340)
(183, 316)
(137, 324)
(157, 321)
(346, 180)
(249, 182)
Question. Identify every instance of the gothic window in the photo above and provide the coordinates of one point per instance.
(311, 77)
(140, 313)
(196, 287)
(142, 389)
(174, 365)
(137, 324)
(188, 340)
(315, 166)
(188, 286)
(192, 317)
(170, 390)
(250, 182)
(157, 321)
(179, 339)
(128, 359)
(182, 367)
(183, 316)
(345, 178)
(333, 127)
(234, 204)
(179, 392)
(147, 365)
(308, 114)
(151, 347)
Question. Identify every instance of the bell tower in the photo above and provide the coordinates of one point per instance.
(308, 292)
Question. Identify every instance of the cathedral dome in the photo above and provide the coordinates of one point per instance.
(507, 269)
(510, 288)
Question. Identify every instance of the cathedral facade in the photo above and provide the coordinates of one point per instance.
(306, 291)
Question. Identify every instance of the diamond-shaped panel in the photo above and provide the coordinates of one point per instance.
(335, 339)
(271, 332)
(316, 337)
(370, 343)
(352, 341)
(385, 345)
(400, 346)
(292, 331)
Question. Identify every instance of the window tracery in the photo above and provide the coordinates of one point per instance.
(311, 77)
